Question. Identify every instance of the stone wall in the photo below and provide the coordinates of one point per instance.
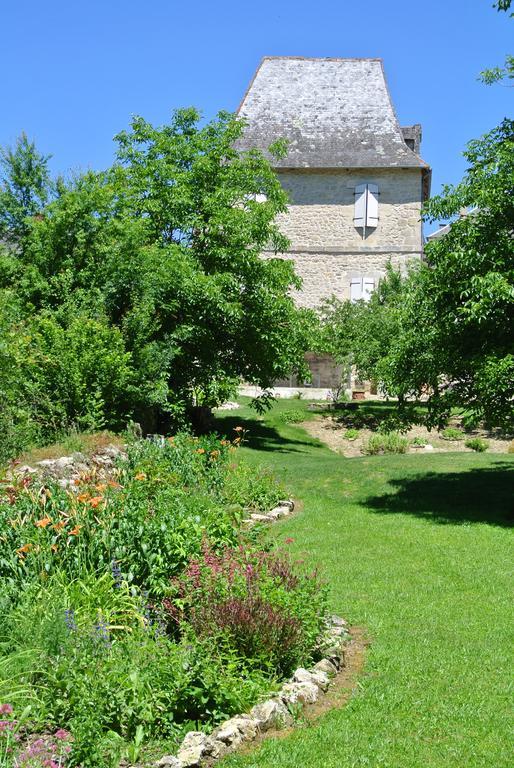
(328, 250)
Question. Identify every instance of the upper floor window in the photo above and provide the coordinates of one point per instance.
(366, 207)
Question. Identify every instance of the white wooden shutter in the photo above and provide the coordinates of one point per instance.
(359, 218)
(355, 289)
(366, 205)
(368, 286)
(372, 207)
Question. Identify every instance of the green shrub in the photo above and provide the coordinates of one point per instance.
(293, 416)
(351, 434)
(390, 442)
(452, 433)
(477, 444)
(418, 440)
(102, 664)
(251, 487)
(56, 377)
(265, 608)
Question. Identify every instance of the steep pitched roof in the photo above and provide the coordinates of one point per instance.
(335, 113)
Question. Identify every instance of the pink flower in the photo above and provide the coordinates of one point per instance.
(62, 735)
(6, 709)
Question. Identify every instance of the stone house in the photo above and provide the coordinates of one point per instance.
(355, 179)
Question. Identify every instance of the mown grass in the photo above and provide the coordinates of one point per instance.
(418, 550)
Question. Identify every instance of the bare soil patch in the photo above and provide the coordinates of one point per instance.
(329, 429)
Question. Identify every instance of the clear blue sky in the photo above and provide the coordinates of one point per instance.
(74, 72)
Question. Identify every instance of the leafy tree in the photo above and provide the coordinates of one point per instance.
(165, 246)
(359, 334)
(25, 186)
(498, 74)
(446, 331)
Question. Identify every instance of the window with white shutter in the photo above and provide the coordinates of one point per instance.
(355, 289)
(361, 288)
(366, 206)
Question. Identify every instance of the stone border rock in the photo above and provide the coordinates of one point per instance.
(199, 749)
(66, 470)
(283, 509)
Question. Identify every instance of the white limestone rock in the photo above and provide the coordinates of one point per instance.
(277, 513)
(237, 729)
(168, 761)
(258, 518)
(326, 666)
(194, 748)
(299, 693)
(271, 714)
(288, 503)
(24, 470)
(317, 677)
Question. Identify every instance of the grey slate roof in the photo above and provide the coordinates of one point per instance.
(336, 113)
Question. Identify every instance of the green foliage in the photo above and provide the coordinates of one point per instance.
(252, 487)
(360, 333)
(477, 444)
(389, 442)
(98, 661)
(25, 187)
(148, 522)
(351, 434)
(292, 416)
(152, 270)
(263, 606)
(85, 575)
(452, 433)
(446, 330)
(421, 441)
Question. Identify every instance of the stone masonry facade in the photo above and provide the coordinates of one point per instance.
(326, 247)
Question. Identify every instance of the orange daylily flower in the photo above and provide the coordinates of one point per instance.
(83, 497)
(113, 484)
(101, 487)
(59, 526)
(75, 531)
(140, 476)
(215, 454)
(225, 442)
(95, 501)
(25, 548)
(200, 450)
(171, 439)
(43, 522)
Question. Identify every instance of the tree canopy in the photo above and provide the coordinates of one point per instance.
(446, 330)
(163, 250)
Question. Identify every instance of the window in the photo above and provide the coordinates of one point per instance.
(361, 288)
(366, 206)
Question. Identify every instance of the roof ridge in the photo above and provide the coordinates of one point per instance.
(325, 58)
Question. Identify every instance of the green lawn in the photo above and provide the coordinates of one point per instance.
(417, 549)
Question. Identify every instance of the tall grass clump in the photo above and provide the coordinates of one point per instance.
(390, 442)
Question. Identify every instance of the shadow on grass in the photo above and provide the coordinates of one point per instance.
(260, 436)
(482, 495)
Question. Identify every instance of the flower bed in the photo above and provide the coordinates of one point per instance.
(135, 607)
